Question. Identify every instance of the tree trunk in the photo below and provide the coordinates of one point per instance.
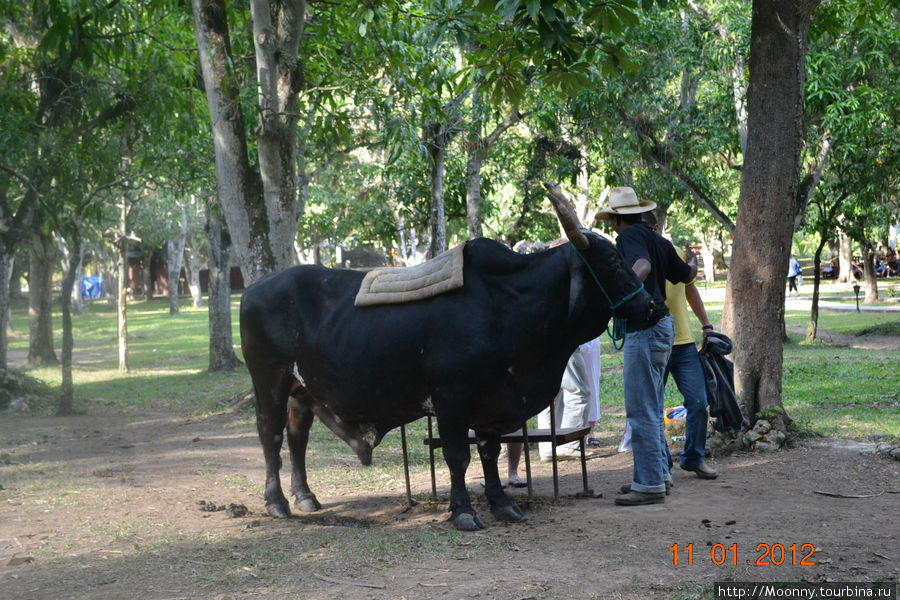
(473, 188)
(708, 254)
(813, 327)
(762, 240)
(121, 288)
(173, 260)
(239, 188)
(476, 149)
(279, 77)
(584, 208)
(221, 344)
(845, 257)
(10, 237)
(436, 141)
(42, 258)
(6, 268)
(146, 274)
(68, 254)
(67, 395)
(740, 105)
(871, 280)
(261, 209)
(192, 266)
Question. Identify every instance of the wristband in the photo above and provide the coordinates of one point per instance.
(705, 327)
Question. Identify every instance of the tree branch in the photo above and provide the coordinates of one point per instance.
(123, 106)
(659, 154)
(811, 180)
(505, 124)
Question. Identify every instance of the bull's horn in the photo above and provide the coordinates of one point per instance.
(567, 217)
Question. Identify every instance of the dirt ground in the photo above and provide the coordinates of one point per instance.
(107, 505)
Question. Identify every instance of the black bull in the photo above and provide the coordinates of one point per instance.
(486, 356)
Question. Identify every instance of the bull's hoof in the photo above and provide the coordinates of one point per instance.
(510, 514)
(307, 503)
(279, 510)
(467, 522)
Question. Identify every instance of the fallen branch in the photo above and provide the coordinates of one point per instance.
(834, 495)
(238, 401)
(346, 582)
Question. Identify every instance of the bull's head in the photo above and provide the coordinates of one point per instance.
(622, 288)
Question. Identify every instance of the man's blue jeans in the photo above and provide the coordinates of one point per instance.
(686, 370)
(646, 354)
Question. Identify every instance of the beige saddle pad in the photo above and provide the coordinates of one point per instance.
(394, 285)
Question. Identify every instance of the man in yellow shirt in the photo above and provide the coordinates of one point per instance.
(684, 365)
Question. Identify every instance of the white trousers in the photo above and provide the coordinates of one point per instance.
(571, 404)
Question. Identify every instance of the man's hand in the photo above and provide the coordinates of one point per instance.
(691, 259)
(689, 256)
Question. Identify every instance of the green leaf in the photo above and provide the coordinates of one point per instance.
(508, 9)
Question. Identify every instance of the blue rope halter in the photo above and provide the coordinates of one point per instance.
(617, 335)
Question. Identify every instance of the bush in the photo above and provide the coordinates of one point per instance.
(18, 389)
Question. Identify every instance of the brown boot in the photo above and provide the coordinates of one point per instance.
(639, 498)
(703, 471)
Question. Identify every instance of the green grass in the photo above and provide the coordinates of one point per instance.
(849, 322)
(829, 390)
(167, 358)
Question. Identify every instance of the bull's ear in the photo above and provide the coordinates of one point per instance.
(567, 217)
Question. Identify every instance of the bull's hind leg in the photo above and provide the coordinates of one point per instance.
(502, 507)
(271, 417)
(300, 419)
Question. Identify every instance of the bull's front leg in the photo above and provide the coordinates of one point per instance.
(502, 507)
(300, 418)
(457, 456)
(454, 430)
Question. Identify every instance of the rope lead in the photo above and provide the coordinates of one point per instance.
(617, 335)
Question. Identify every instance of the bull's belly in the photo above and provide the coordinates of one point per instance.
(377, 398)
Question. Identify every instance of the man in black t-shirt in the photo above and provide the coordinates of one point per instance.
(647, 343)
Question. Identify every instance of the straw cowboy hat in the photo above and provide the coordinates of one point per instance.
(622, 201)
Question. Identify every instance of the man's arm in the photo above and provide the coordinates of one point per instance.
(692, 294)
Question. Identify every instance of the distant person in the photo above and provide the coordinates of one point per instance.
(794, 271)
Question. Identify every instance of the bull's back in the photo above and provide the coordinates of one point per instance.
(281, 310)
